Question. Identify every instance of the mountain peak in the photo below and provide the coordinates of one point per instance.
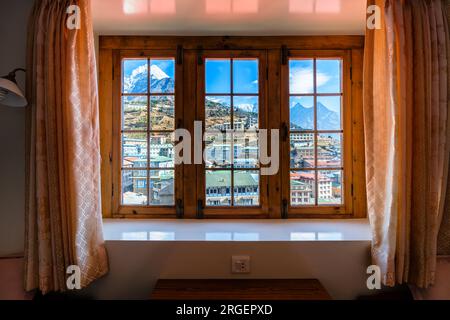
(303, 117)
(157, 73)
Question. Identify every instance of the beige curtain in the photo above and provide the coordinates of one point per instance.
(406, 135)
(63, 217)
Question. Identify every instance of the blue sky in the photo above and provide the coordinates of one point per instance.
(218, 76)
(328, 78)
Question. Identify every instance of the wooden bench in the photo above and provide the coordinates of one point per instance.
(239, 289)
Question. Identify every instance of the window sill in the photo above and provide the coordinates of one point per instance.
(236, 230)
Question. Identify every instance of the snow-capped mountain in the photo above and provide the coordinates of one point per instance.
(159, 80)
(304, 117)
(157, 73)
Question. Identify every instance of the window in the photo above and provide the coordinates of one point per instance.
(231, 107)
(146, 174)
(148, 113)
(226, 93)
(318, 118)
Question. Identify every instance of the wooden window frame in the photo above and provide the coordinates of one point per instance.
(187, 51)
(346, 120)
(260, 210)
(150, 210)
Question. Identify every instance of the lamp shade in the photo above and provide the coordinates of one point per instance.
(10, 94)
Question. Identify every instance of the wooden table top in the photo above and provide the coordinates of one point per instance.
(239, 289)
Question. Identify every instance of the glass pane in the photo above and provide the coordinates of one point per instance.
(328, 75)
(246, 188)
(134, 187)
(162, 76)
(301, 76)
(246, 149)
(135, 76)
(134, 115)
(302, 188)
(218, 112)
(302, 150)
(329, 150)
(301, 110)
(218, 76)
(245, 112)
(162, 113)
(329, 113)
(217, 149)
(161, 150)
(134, 150)
(245, 76)
(330, 187)
(218, 188)
(162, 187)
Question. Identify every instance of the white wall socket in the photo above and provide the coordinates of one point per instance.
(240, 264)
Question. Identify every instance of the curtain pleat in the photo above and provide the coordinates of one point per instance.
(63, 221)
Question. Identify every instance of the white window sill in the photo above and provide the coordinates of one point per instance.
(236, 230)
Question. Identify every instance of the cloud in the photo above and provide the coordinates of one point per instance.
(302, 80)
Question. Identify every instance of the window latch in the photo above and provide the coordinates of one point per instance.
(179, 209)
(284, 54)
(200, 209)
(179, 54)
(199, 55)
(284, 131)
(284, 209)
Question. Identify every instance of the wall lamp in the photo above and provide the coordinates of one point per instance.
(10, 93)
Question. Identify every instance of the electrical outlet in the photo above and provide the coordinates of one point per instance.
(240, 264)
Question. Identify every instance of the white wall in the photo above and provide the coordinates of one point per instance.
(136, 266)
(13, 32)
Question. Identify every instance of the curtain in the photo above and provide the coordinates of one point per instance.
(406, 136)
(444, 232)
(63, 211)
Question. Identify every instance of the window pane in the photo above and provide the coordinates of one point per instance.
(161, 150)
(245, 76)
(162, 76)
(329, 150)
(162, 113)
(301, 113)
(134, 113)
(245, 112)
(246, 149)
(162, 187)
(302, 150)
(134, 187)
(330, 187)
(302, 188)
(218, 76)
(135, 76)
(328, 75)
(218, 188)
(329, 113)
(134, 150)
(218, 112)
(301, 76)
(246, 188)
(217, 149)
